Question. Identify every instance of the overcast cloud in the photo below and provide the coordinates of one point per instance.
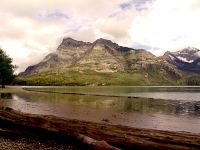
(30, 29)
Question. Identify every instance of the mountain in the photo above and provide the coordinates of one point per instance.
(187, 59)
(102, 62)
(101, 56)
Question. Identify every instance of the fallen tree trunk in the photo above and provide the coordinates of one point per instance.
(99, 136)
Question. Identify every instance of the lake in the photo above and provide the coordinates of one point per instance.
(163, 108)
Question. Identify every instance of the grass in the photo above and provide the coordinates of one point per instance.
(89, 77)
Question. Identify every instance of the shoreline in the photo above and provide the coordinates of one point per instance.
(19, 141)
(98, 109)
(82, 93)
(97, 135)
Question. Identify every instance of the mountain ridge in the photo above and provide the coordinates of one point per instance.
(71, 51)
(187, 59)
(75, 62)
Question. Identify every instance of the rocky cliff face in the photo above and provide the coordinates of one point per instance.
(187, 60)
(67, 52)
(101, 56)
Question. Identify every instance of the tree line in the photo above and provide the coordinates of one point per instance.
(194, 80)
(6, 69)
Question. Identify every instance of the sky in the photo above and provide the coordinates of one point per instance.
(30, 29)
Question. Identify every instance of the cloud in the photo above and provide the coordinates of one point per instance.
(125, 6)
(168, 25)
(30, 29)
(88, 34)
(22, 36)
(136, 4)
(115, 27)
(53, 15)
(37, 27)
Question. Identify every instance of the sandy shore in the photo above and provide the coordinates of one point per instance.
(13, 89)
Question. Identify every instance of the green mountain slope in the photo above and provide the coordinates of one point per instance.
(99, 63)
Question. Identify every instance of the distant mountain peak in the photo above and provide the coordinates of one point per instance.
(69, 39)
(186, 59)
(188, 50)
(106, 42)
(103, 41)
(167, 53)
(71, 43)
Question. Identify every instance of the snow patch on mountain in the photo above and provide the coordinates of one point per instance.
(171, 57)
(198, 53)
(185, 59)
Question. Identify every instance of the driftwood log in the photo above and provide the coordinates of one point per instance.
(96, 135)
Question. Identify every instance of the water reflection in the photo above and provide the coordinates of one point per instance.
(119, 89)
(117, 104)
(141, 112)
(166, 93)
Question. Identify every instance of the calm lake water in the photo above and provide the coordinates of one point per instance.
(170, 108)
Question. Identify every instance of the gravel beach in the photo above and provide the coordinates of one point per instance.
(12, 142)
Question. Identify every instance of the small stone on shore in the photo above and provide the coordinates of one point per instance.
(7, 143)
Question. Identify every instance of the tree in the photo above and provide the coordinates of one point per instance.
(193, 80)
(6, 69)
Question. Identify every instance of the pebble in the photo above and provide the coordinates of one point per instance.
(7, 143)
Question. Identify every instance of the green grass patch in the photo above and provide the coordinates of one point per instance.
(89, 77)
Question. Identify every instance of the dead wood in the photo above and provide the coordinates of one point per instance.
(99, 136)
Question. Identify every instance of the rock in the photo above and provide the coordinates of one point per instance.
(196, 107)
